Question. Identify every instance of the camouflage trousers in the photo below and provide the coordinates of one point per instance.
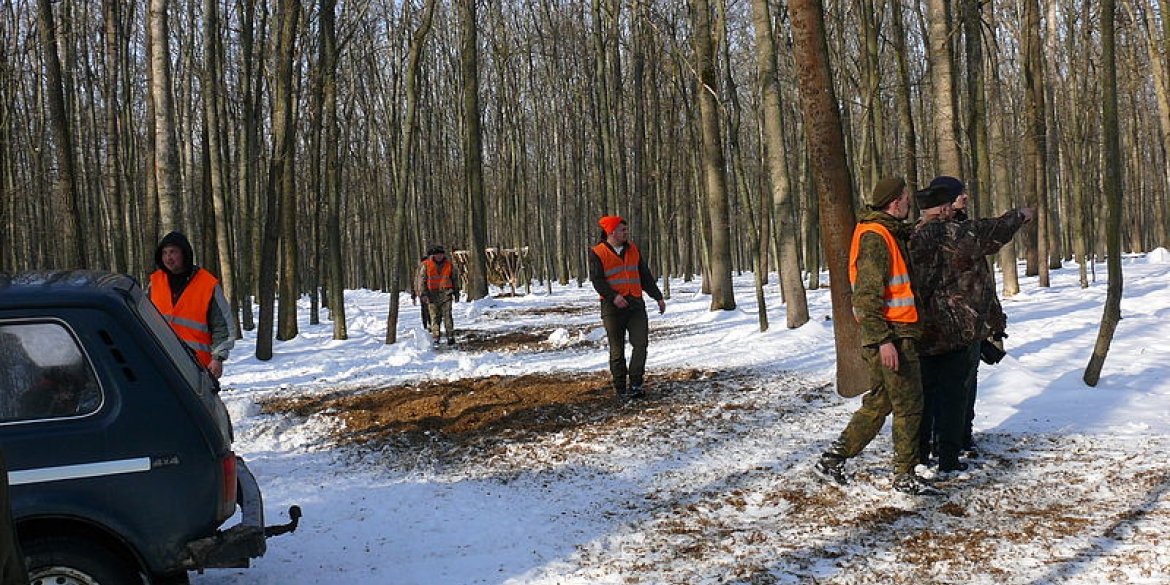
(439, 313)
(899, 393)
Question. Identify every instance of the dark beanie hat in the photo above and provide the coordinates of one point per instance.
(953, 186)
(885, 191)
(933, 196)
(435, 250)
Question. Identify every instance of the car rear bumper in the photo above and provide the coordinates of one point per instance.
(235, 546)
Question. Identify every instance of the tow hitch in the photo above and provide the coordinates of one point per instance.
(294, 514)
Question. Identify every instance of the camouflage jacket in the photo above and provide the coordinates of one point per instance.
(873, 268)
(953, 286)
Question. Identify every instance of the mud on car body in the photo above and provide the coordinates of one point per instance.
(119, 449)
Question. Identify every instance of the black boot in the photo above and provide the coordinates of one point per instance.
(831, 468)
(619, 386)
(635, 388)
(908, 483)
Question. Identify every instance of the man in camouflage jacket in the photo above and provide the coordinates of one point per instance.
(954, 301)
(996, 318)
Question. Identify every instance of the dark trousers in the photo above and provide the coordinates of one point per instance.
(633, 321)
(944, 387)
(899, 393)
(969, 419)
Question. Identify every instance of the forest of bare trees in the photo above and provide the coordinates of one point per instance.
(312, 147)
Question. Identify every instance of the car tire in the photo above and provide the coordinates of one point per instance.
(74, 561)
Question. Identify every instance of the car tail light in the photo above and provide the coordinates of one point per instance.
(227, 504)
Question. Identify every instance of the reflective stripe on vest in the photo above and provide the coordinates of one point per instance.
(189, 316)
(438, 277)
(899, 297)
(622, 274)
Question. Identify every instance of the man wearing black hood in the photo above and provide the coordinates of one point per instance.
(955, 300)
(192, 301)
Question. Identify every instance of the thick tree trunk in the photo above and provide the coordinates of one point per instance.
(714, 163)
(826, 145)
(791, 284)
(477, 284)
(166, 162)
(942, 79)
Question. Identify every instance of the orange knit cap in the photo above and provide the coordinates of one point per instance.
(609, 223)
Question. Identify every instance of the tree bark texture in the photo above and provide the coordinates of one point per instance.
(826, 147)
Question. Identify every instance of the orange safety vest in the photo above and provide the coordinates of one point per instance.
(622, 274)
(438, 277)
(899, 298)
(188, 317)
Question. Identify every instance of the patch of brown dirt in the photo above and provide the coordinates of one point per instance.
(538, 311)
(528, 340)
(465, 410)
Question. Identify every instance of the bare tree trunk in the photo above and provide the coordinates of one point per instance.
(1158, 66)
(113, 171)
(290, 279)
(166, 162)
(942, 79)
(1036, 144)
(871, 153)
(1112, 186)
(714, 163)
(403, 171)
(249, 148)
(67, 207)
(826, 145)
(1001, 181)
(213, 92)
(980, 152)
(791, 285)
(283, 131)
(335, 277)
(906, 113)
(477, 284)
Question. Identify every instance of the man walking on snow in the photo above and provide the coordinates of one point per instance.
(883, 303)
(620, 275)
(437, 284)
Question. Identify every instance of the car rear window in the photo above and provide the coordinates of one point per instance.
(44, 374)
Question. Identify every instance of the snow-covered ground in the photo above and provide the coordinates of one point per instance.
(711, 483)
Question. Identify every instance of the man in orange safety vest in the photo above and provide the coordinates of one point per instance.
(191, 299)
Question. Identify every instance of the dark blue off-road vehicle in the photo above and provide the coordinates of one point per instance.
(119, 449)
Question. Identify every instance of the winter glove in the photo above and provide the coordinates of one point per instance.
(990, 353)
